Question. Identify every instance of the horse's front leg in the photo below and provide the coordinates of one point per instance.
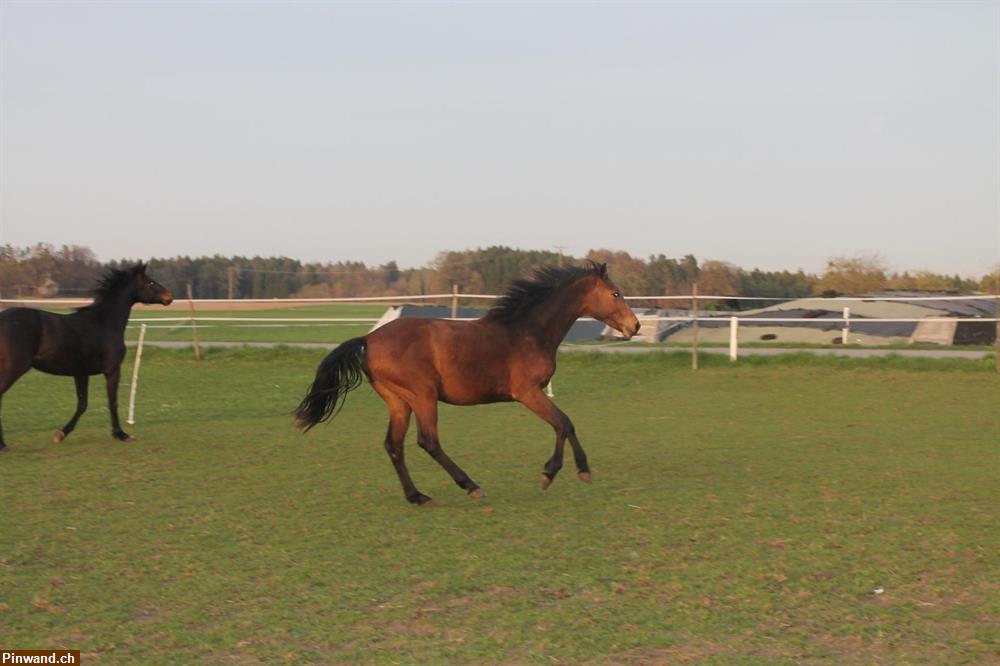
(544, 408)
(112, 378)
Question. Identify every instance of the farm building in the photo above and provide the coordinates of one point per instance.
(824, 321)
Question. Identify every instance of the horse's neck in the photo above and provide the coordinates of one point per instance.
(552, 320)
(113, 312)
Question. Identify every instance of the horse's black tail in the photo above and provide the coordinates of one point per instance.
(341, 371)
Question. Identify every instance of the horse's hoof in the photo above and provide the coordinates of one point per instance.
(58, 436)
(546, 481)
(477, 493)
(419, 499)
(584, 476)
(2, 446)
(123, 437)
(426, 503)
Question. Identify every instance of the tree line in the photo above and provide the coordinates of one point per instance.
(70, 270)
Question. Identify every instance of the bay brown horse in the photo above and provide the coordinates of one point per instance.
(90, 341)
(507, 355)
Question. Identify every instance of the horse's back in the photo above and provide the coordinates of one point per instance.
(20, 330)
(53, 343)
(463, 362)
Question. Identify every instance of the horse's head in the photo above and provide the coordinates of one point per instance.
(148, 290)
(605, 303)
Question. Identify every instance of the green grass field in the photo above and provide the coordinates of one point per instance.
(743, 514)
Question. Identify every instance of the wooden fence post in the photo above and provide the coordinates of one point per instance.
(694, 326)
(454, 301)
(194, 328)
(135, 376)
(734, 331)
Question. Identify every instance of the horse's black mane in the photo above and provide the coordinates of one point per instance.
(113, 281)
(525, 293)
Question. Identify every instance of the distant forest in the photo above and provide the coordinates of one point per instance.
(47, 271)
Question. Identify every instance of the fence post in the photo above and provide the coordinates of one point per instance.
(454, 301)
(996, 315)
(694, 326)
(845, 333)
(135, 377)
(734, 330)
(194, 328)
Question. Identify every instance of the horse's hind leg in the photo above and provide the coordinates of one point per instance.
(8, 375)
(395, 437)
(82, 382)
(3, 445)
(426, 413)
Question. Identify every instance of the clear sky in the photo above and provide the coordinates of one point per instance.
(771, 135)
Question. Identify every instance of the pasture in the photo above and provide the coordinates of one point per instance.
(777, 511)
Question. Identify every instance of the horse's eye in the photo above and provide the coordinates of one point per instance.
(616, 295)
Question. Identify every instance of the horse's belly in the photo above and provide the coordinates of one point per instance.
(68, 360)
(473, 399)
(66, 368)
(473, 389)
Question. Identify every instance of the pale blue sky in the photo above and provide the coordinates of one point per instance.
(770, 135)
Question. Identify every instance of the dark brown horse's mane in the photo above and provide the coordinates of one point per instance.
(113, 281)
(523, 294)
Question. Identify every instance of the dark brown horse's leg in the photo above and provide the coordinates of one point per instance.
(540, 404)
(81, 406)
(579, 456)
(8, 375)
(426, 413)
(395, 437)
(116, 427)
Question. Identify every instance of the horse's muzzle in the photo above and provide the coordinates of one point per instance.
(167, 298)
(630, 334)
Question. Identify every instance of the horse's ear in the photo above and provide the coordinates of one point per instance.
(141, 267)
(602, 270)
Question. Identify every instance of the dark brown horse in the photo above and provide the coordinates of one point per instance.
(90, 341)
(507, 355)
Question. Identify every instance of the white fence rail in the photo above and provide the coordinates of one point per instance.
(79, 302)
(734, 321)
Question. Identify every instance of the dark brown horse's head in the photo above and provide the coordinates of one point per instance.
(605, 303)
(148, 290)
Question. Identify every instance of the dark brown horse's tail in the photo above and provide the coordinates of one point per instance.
(341, 371)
